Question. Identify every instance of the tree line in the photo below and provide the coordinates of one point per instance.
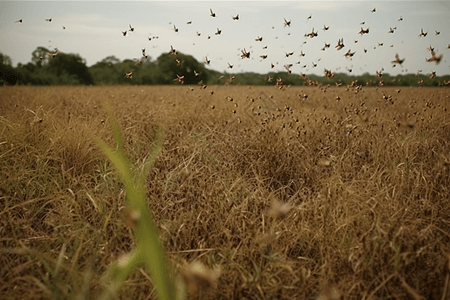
(71, 69)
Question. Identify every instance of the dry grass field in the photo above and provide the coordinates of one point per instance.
(293, 193)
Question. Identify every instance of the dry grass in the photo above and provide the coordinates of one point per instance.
(314, 197)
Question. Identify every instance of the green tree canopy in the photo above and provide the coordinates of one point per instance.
(70, 68)
(5, 60)
(8, 75)
(39, 56)
(168, 69)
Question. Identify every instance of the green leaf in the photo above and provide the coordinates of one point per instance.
(149, 250)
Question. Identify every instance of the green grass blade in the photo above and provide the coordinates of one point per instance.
(120, 271)
(148, 246)
(154, 153)
(116, 129)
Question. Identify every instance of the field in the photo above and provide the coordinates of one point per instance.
(291, 193)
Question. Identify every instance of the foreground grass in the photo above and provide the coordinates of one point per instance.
(290, 197)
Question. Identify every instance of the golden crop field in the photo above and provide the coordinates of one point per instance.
(257, 193)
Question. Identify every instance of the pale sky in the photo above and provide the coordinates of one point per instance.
(93, 29)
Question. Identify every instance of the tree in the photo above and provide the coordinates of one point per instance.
(168, 69)
(125, 66)
(110, 60)
(5, 60)
(111, 70)
(70, 69)
(146, 72)
(105, 71)
(7, 73)
(39, 56)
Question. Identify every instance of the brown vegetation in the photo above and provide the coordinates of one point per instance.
(292, 193)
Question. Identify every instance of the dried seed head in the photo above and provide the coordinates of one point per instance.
(325, 162)
(197, 276)
(279, 210)
(184, 174)
(131, 217)
(125, 259)
(330, 293)
(266, 239)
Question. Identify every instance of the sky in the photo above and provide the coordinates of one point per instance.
(93, 30)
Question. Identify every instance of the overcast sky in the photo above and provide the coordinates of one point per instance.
(93, 29)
